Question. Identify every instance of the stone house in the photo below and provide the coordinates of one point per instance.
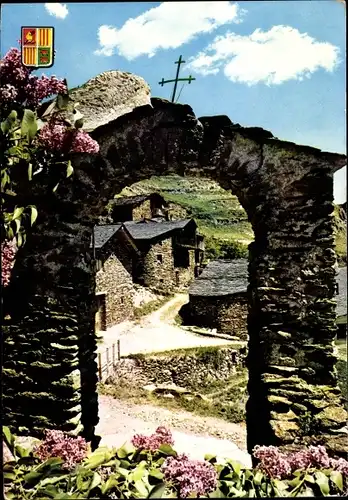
(114, 253)
(218, 298)
(134, 208)
(341, 301)
(171, 253)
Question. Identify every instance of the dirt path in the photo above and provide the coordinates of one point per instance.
(194, 435)
(156, 332)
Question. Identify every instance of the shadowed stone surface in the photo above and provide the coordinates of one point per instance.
(287, 192)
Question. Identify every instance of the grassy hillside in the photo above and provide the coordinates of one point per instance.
(218, 213)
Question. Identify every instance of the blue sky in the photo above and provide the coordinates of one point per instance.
(279, 65)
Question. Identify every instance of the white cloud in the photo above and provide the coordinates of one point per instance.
(59, 10)
(271, 57)
(167, 26)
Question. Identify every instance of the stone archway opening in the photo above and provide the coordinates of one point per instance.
(287, 192)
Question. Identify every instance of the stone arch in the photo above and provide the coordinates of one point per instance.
(287, 192)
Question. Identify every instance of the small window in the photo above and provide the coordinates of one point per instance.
(161, 280)
(160, 258)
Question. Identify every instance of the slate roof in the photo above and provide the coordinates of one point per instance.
(221, 277)
(150, 230)
(130, 200)
(102, 234)
(341, 298)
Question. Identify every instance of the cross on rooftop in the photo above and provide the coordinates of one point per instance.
(177, 79)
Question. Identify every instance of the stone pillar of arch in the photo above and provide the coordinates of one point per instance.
(287, 192)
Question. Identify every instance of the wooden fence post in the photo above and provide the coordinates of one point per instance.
(118, 349)
(113, 355)
(107, 361)
(99, 366)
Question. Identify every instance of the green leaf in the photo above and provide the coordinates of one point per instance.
(156, 473)
(98, 457)
(323, 483)
(19, 240)
(69, 169)
(6, 125)
(10, 476)
(33, 215)
(32, 477)
(216, 494)
(210, 458)
(157, 491)
(139, 473)
(110, 483)
(9, 438)
(237, 466)
(30, 171)
(18, 212)
(125, 450)
(50, 463)
(96, 480)
(21, 451)
(29, 125)
(55, 188)
(141, 488)
(309, 478)
(166, 449)
(295, 482)
(258, 478)
(337, 478)
(18, 225)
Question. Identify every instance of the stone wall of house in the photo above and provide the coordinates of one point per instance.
(158, 271)
(142, 211)
(116, 282)
(227, 314)
(190, 368)
(176, 212)
(185, 275)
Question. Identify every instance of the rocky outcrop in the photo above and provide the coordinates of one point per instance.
(287, 192)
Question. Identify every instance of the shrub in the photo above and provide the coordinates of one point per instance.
(136, 471)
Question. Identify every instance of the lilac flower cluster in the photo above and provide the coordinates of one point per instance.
(54, 136)
(190, 476)
(280, 465)
(58, 444)
(18, 85)
(162, 435)
(8, 93)
(8, 252)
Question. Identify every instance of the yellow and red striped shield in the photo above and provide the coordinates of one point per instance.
(37, 46)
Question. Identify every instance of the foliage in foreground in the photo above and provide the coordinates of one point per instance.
(62, 467)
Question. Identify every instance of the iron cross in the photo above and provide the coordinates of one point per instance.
(177, 79)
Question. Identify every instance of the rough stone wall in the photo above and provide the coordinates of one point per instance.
(176, 212)
(159, 275)
(190, 370)
(116, 281)
(227, 314)
(287, 192)
(185, 275)
(142, 211)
